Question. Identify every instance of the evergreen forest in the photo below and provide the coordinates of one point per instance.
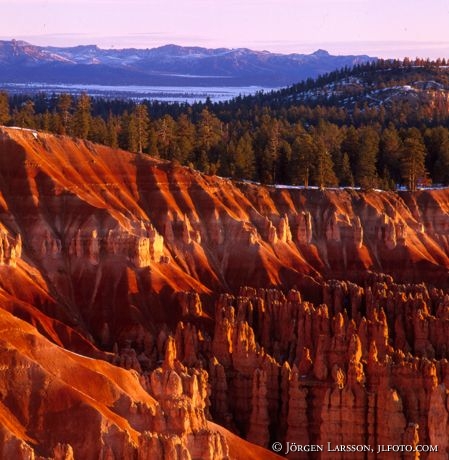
(326, 132)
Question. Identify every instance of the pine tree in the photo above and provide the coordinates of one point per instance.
(413, 159)
(4, 109)
(45, 121)
(64, 105)
(366, 171)
(141, 124)
(25, 116)
(132, 143)
(123, 133)
(350, 144)
(324, 168)
(273, 147)
(390, 153)
(437, 143)
(303, 159)
(184, 139)
(112, 126)
(98, 131)
(165, 137)
(82, 117)
(209, 131)
(55, 123)
(209, 135)
(346, 176)
(332, 137)
(244, 158)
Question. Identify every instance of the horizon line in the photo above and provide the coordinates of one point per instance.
(397, 49)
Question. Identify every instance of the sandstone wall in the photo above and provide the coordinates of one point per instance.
(341, 336)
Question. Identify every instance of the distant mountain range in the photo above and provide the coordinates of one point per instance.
(170, 65)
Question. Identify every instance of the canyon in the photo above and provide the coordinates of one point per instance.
(151, 311)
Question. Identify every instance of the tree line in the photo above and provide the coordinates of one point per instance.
(299, 144)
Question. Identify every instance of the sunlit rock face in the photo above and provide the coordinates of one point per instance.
(127, 331)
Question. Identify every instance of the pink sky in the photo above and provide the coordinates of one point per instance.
(388, 28)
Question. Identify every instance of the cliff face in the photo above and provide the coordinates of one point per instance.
(125, 225)
(326, 373)
(121, 257)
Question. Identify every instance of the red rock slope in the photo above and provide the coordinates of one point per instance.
(121, 258)
(58, 404)
(111, 235)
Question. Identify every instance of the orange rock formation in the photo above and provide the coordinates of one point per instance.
(126, 332)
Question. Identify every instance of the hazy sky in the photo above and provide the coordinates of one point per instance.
(389, 28)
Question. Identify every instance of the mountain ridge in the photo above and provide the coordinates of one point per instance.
(168, 64)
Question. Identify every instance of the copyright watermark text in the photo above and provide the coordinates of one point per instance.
(287, 447)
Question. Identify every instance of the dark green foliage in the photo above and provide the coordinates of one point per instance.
(345, 172)
(276, 137)
(324, 175)
(366, 159)
(185, 134)
(82, 117)
(165, 129)
(139, 124)
(413, 158)
(303, 159)
(4, 109)
(64, 106)
(113, 129)
(25, 115)
(437, 143)
(390, 149)
(243, 161)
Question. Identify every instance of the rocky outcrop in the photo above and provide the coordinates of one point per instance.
(341, 336)
(91, 203)
(10, 248)
(100, 410)
(304, 230)
(140, 246)
(340, 378)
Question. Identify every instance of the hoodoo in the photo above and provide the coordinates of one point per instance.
(151, 311)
